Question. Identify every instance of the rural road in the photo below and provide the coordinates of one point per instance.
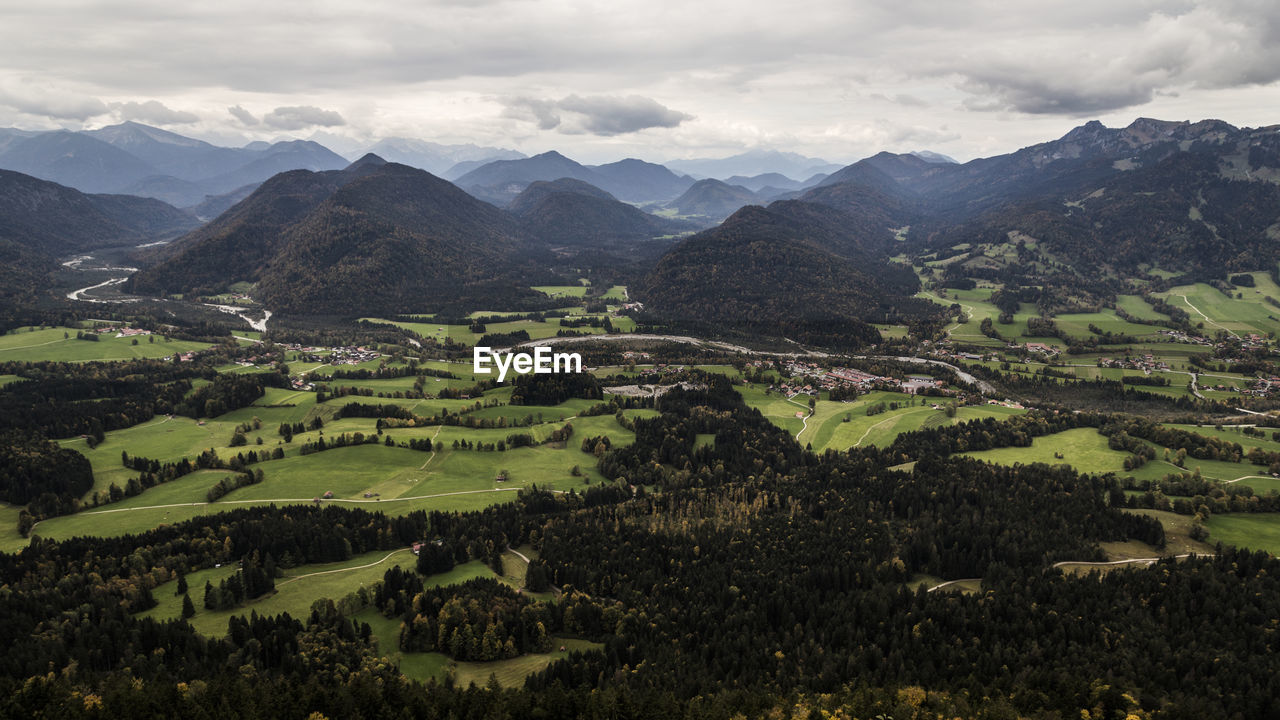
(982, 385)
(952, 582)
(804, 424)
(298, 500)
(1206, 317)
(1108, 563)
(342, 570)
(1145, 561)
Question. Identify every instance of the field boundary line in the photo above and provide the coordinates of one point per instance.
(296, 500)
(340, 570)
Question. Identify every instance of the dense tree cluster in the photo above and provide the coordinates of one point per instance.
(38, 472)
(554, 388)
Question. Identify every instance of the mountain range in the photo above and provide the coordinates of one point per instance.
(380, 236)
(1072, 220)
(629, 180)
(136, 159)
(41, 222)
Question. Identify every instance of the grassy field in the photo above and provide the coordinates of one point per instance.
(10, 540)
(573, 291)
(827, 429)
(1234, 435)
(60, 344)
(294, 593)
(977, 305)
(425, 666)
(1136, 307)
(1083, 449)
(1248, 314)
(776, 407)
(1256, 531)
(1077, 324)
(398, 480)
(537, 329)
(1086, 450)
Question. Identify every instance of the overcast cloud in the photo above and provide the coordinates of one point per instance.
(301, 117)
(838, 79)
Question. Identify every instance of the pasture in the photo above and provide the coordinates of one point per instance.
(395, 480)
(59, 344)
(1256, 531)
(295, 592)
(1250, 313)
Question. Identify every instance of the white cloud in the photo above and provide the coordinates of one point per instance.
(153, 112)
(47, 102)
(245, 117)
(727, 74)
(594, 114)
(297, 117)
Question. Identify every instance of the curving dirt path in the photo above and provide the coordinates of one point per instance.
(952, 582)
(1206, 317)
(804, 423)
(342, 570)
(381, 501)
(1083, 563)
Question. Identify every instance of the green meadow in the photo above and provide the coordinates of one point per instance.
(295, 592)
(1249, 313)
(395, 480)
(59, 344)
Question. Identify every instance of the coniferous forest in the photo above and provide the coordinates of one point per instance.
(745, 577)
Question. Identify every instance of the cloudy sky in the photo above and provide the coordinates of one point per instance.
(605, 79)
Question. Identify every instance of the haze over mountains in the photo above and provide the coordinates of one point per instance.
(136, 159)
(1074, 216)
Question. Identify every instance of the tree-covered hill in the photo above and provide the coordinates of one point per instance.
(780, 274)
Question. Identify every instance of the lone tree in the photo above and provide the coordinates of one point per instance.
(188, 608)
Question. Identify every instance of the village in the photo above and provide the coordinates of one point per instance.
(809, 378)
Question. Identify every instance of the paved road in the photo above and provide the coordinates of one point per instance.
(982, 385)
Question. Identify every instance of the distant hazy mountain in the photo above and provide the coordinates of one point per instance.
(501, 181)
(933, 157)
(58, 220)
(170, 153)
(752, 163)
(775, 181)
(75, 160)
(370, 238)
(132, 158)
(41, 221)
(639, 181)
(713, 200)
(630, 180)
(9, 136)
(278, 158)
(435, 158)
(215, 205)
(569, 212)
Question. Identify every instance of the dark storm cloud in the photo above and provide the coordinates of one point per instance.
(299, 117)
(597, 114)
